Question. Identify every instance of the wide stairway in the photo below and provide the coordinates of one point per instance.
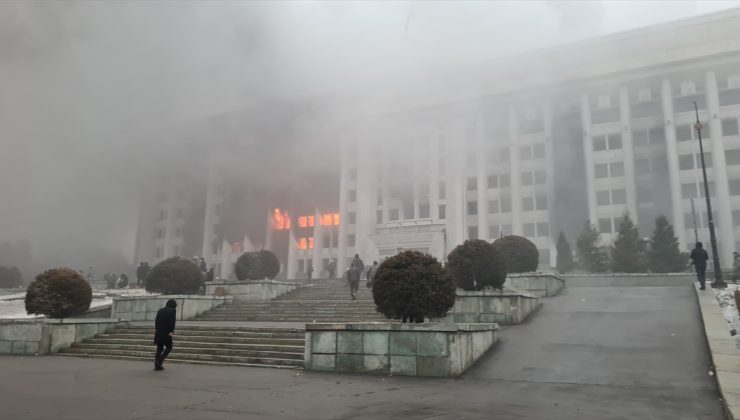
(325, 301)
(227, 346)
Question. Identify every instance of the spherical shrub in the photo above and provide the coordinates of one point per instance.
(175, 276)
(476, 264)
(257, 265)
(59, 293)
(520, 253)
(412, 286)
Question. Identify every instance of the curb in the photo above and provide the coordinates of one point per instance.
(723, 351)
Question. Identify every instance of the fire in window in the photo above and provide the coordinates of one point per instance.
(280, 220)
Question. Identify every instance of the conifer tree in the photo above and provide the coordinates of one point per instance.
(591, 256)
(628, 252)
(665, 255)
(565, 255)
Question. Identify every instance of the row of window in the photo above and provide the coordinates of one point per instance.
(609, 170)
(529, 230)
(160, 233)
(179, 214)
(503, 205)
(610, 197)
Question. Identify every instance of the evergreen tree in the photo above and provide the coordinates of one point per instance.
(565, 255)
(664, 255)
(590, 254)
(628, 252)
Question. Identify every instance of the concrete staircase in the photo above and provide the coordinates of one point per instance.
(325, 301)
(212, 345)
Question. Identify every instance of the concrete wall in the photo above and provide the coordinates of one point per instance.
(99, 312)
(144, 308)
(42, 336)
(538, 284)
(503, 307)
(444, 350)
(251, 290)
(627, 279)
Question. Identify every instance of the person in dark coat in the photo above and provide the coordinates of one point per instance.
(203, 266)
(140, 274)
(164, 329)
(309, 271)
(354, 274)
(699, 258)
(332, 267)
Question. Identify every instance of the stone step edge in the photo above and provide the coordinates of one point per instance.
(178, 361)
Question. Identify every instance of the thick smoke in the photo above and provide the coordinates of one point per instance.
(98, 97)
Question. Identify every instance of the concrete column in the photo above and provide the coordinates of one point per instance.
(292, 266)
(226, 268)
(725, 232)
(318, 234)
(588, 157)
(342, 240)
(515, 173)
(625, 115)
(169, 233)
(456, 202)
(434, 178)
(415, 176)
(482, 181)
(671, 147)
(207, 248)
(550, 170)
(268, 230)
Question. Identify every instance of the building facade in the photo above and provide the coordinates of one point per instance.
(550, 140)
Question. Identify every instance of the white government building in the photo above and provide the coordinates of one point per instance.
(535, 144)
(546, 140)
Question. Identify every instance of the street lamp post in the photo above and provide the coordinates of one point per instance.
(718, 282)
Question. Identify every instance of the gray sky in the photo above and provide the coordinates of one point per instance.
(91, 92)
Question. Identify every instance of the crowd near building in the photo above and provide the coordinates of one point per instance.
(530, 145)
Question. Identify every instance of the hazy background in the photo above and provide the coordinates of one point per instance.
(93, 94)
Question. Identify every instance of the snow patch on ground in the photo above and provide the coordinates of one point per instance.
(726, 298)
(13, 306)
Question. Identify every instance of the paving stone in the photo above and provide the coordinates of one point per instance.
(375, 343)
(324, 341)
(432, 344)
(350, 363)
(432, 366)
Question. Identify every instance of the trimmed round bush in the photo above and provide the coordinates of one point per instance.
(58, 293)
(520, 253)
(411, 286)
(175, 276)
(257, 265)
(476, 264)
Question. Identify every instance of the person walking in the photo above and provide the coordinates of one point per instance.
(332, 267)
(203, 266)
(354, 274)
(371, 274)
(164, 329)
(140, 274)
(309, 270)
(699, 258)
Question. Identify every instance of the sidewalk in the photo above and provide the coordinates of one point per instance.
(723, 349)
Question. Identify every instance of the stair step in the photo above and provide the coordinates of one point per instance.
(204, 339)
(175, 359)
(183, 350)
(93, 343)
(190, 356)
(200, 333)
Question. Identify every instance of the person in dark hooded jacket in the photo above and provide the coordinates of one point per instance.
(164, 328)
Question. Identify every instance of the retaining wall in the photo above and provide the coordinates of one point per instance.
(501, 306)
(42, 336)
(144, 308)
(629, 279)
(443, 350)
(250, 290)
(540, 284)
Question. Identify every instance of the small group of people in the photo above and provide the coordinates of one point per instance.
(142, 271)
(354, 274)
(113, 281)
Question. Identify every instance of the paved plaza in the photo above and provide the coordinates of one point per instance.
(589, 353)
